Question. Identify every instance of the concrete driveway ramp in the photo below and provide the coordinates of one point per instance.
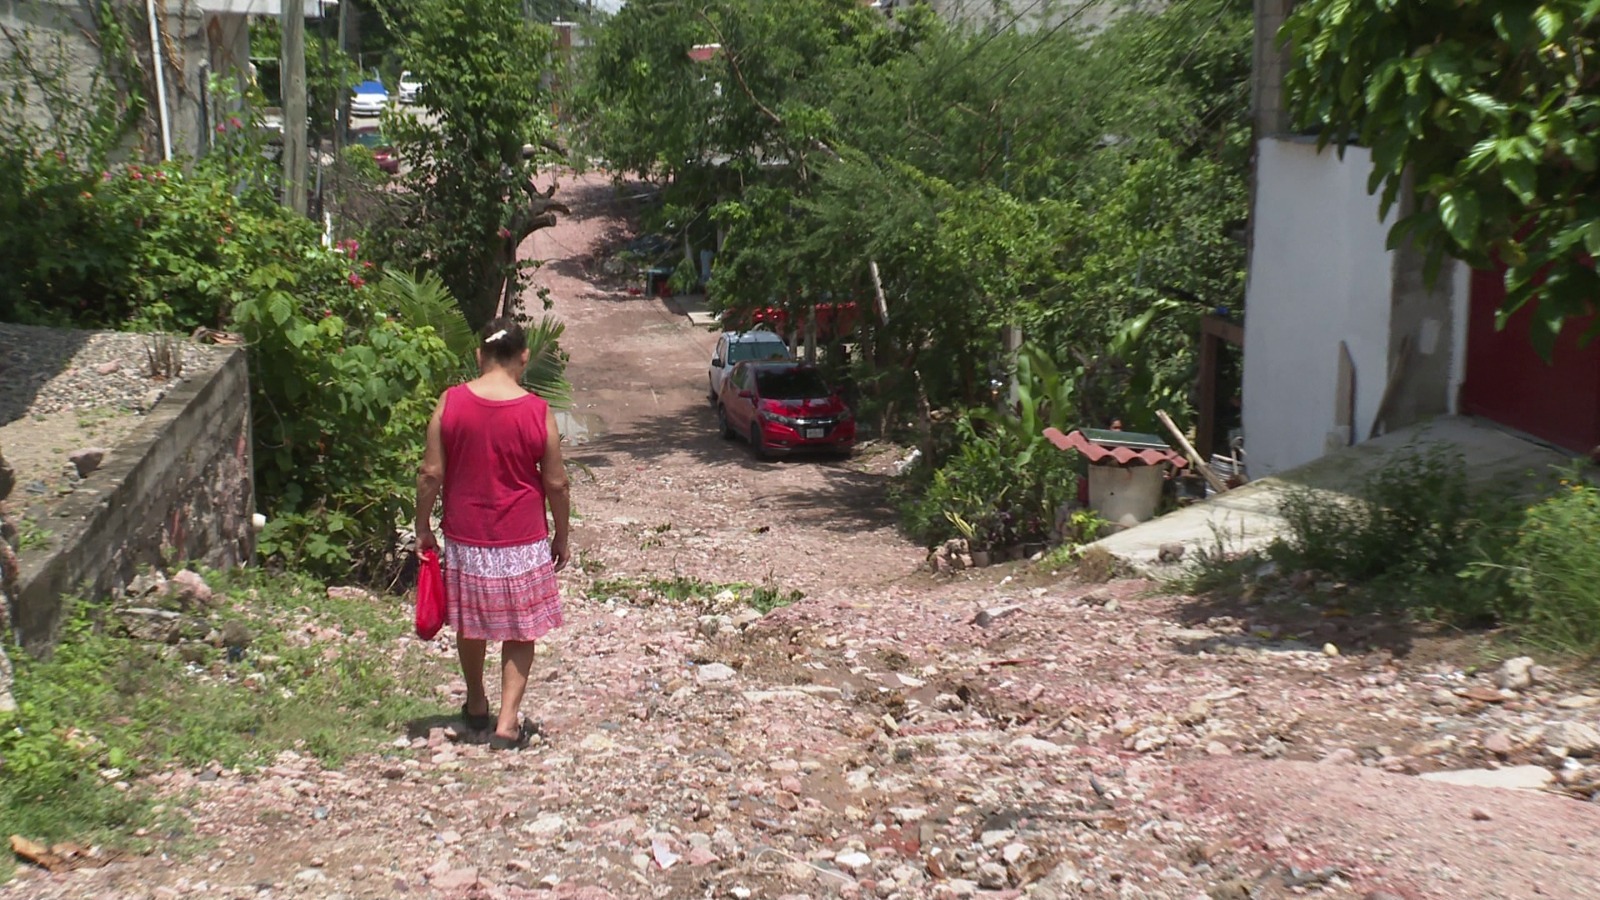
(1247, 518)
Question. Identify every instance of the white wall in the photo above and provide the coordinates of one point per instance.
(1319, 274)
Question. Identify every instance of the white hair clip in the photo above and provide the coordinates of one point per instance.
(495, 337)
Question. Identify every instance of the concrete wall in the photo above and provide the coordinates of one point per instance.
(1270, 62)
(180, 487)
(1319, 274)
(208, 37)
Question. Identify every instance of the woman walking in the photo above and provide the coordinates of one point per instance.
(495, 452)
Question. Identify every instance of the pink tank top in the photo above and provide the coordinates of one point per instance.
(493, 489)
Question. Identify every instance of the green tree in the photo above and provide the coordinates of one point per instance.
(469, 198)
(1089, 189)
(1484, 116)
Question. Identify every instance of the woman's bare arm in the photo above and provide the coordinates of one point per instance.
(430, 478)
(556, 491)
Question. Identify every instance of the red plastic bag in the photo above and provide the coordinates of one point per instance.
(430, 596)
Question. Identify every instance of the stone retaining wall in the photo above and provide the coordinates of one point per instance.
(179, 488)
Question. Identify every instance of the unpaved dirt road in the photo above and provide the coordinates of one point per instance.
(889, 735)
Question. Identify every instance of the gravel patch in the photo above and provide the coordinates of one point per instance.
(50, 370)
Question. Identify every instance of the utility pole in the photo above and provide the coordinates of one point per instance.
(295, 158)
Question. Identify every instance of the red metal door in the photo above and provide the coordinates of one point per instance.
(1508, 383)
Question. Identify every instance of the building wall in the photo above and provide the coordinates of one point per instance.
(1319, 275)
(208, 37)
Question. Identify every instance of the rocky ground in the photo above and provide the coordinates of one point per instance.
(997, 734)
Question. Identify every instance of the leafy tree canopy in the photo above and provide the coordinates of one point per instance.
(1063, 182)
(469, 197)
(1483, 119)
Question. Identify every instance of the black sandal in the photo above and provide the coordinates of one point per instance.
(525, 734)
(477, 723)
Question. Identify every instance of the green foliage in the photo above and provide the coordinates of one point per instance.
(682, 589)
(1065, 186)
(1418, 538)
(105, 708)
(102, 246)
(1481, 119)
(1413, 529)
(1553, 569)
(330, 72)
(997, 488)
(343, 373)
(468, 199)
(360, 163)
(344, 389)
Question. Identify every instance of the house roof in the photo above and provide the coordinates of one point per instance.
(704, 52)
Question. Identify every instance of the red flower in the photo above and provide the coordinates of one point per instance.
(221, 128)
(356, 280)
(504, 232)
(235, 122)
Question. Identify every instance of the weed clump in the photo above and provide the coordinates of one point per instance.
(1553, 570)
(1408, 535)
(1419, 539)
(685, 590)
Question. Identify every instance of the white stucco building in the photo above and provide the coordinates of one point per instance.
(1343, 337)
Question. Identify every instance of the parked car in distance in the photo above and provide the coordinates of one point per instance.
(382, 150)
(410, 86)
(368, 98)
(734, 347)
(782, 406)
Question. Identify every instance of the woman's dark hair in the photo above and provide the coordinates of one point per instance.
(504, 339)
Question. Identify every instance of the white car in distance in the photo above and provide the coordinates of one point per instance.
(368, 98)
(734, 347)
(410, 86)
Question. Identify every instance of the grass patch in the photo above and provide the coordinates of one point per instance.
(32, 536)
(321, 675)
(681, 589)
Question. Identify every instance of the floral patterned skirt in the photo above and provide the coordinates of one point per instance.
(501, 593)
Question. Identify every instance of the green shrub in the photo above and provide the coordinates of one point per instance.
(359, 162)
(162, 243)
(1411, 531)
(344, 391)
(1554, 570)
(990, 489)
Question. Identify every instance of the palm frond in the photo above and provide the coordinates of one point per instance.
(425, 301)
(547, 362)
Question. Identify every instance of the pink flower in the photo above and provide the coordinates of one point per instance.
(504, 232)
(356, 280)
(235, 122)
(221, 128)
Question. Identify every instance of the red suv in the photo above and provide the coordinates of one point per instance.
(782, 406)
